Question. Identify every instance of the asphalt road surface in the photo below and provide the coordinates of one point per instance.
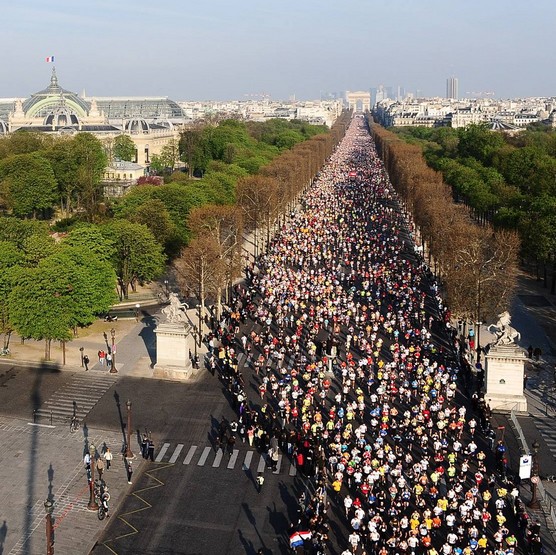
(194, 498)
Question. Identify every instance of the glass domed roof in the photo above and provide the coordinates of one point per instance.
(43, 103)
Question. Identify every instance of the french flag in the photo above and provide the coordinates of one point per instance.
(50, 58)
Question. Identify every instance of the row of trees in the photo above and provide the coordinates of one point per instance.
(507, 180)
(208, 266)
(476, 264)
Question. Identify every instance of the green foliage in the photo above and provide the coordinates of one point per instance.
(37, 247)
(477, 141)
(65, 290)
(513, 178)
(90, 237)
(28, 183)
(124, 148)
(137, 255)
(22, 142)
(17, 231)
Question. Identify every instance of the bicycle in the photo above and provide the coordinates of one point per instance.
(551, 478)
(102, 496)
(74, 424)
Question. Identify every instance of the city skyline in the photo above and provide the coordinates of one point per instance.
(225, 51)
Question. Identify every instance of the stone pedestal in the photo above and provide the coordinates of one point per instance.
(172, 352)
(504, 368)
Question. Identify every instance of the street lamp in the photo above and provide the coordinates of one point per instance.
(92, 505)
(166, 287)
(535, 502)
(137, 307)
(128, 453)
(49, 507)
(113, 352)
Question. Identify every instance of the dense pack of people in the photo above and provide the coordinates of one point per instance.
(353, 376)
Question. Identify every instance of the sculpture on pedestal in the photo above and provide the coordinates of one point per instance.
(175, 312)
(505, 334)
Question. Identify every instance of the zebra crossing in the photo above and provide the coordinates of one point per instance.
(241, 459)
(77, 397)
(546, 428)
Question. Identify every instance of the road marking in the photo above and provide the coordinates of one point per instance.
(262, 464)
(293, 470)
(217, 459)
(233, 458)
(247, 461)
(190, 454)
(160, 455)
(176, 454)
(278, 464)
(204, 456)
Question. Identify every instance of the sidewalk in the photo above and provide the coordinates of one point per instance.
(40, 463)
(534, 316)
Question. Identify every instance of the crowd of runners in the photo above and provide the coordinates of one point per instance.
(352, 372)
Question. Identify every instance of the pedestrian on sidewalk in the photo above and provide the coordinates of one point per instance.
(151, 450)
(108, 458)
(145, 446)
(260, 482)
(86, 362)
(129, 469)
(101, 357)
(100, 467)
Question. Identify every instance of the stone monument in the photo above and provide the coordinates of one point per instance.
(505, 367)
(172, 345)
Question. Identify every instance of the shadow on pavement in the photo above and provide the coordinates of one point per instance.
(148, 336)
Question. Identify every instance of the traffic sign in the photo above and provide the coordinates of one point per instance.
(534, 479)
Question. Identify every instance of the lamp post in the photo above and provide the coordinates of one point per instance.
(166, 288)
(81, 349)
(137, 307)
(92, 505)
(49, 507)
(535, 502)
(128, 453)
(113, 352)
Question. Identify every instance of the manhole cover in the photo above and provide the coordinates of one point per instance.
(534, 300)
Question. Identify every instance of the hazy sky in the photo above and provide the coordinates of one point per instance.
(227, 49)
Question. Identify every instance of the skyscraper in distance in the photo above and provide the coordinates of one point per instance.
(452, 88)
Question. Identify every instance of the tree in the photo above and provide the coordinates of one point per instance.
(91, 164)
(224, 225)
(154, 214)
(257, 199)
(189, 146)
(28, 183)
(137, 255)
(477, 141)
(65, 290)
(200, 270)
(90, 237)
(10, 257)
(481, 275)
(65, 164)
(124, 148)
(170, 154)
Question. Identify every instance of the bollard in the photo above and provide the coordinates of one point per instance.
(34, 416)
(51, 417)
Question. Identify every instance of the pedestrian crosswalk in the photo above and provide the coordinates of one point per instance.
(546, 428)
(77, 397)
(242, 459)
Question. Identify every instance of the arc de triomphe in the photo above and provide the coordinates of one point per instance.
(359, 96)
